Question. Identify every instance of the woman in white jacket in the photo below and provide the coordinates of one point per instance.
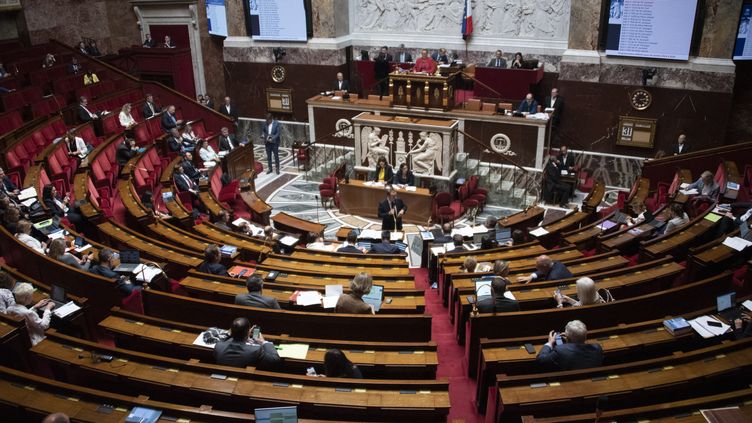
(36, 325)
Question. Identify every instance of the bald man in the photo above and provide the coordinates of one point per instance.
(56, 418)
(528, 105)
(341, 84)
(546, 270)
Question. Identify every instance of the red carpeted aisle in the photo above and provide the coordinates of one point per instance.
(452, 363)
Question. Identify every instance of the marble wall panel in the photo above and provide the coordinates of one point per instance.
(584, 18)
(293, 56)
(719, 31)
(236, 18)
(322, 18)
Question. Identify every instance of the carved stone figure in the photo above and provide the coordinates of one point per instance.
(376, 147)
(427, 152)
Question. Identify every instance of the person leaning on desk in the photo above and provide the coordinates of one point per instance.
(383, 172)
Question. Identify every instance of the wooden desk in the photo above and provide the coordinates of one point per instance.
(361, 200)
(261, 210)
(422, 91)
(524, 219)
(288, 223)
(508, 83)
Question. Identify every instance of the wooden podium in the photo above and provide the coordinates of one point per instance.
(421, 90)
(238, 161)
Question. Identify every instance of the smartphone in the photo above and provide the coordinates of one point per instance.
(256, 333)
(530, 348)
(242, 272)
(559, 340)
(714, 323)
(79, 242)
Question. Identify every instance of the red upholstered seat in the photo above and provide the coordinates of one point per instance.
(585, 180)
(442, 207)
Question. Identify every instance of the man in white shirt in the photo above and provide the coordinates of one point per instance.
(85, 113)
(681, 146)
(554, 101)
(341, 84)
(228, 109)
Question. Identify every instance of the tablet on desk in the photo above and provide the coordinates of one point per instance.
(375, 297)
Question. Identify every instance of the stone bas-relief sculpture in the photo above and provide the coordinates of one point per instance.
(426, 153)
(536, 19)
(376, 147)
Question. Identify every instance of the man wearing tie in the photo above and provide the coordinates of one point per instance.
(271, 141)
(228, 109)
(391, 211)
(227, 141)
(403, 56)
(169, 120)
(554, 101)
(441, 56)
(381, 69)
(341, 84)
(150, 107)
(498, 61)
(84, 113)
(681, 146)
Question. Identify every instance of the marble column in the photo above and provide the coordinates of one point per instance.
(236, 18)
(584, 18)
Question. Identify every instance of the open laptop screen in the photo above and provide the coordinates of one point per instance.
(276, 415)
(725, 301)
(375, 297)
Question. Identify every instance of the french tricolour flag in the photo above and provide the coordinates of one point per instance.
(467, 20)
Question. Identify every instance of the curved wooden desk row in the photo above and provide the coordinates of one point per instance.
(673, 301)
(621, 344)
(674, 377)
(695, 232)
(381, 327)
(376, 360)
(189, 382)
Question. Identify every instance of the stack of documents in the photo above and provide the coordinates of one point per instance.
(709, 326)
(331, 295)
(736, 243)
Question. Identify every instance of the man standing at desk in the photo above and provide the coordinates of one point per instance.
(391, 211)
(271, 141)
(425, 63)
(381, 69)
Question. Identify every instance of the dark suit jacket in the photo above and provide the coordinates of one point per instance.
(8, 184)
(182, 184)
(443, 58)
(149, 43)
(486, 304)
(568, 163)
(685, 149)
(255, 299)
(174, 144)
(558, 108)
(532, 108)
(146, 111)
(168, 121)
(240, 354)
(552, 174)
(558, 271)
(53, 208)
(190, 170)
(570, 356)
(410, 180)
(83, 115)
(104, 271)
(123, 154)
(224, 144)
(233, 112)
(387, 220)
(381, 65)
(388, 174)
(407, 57)
(384, 248)
(502, 63)
(349, 249)
(213, 268)
(345, 85)
(274, 134)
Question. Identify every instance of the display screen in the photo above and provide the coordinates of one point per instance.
(277, 20)
(656, 29)
(743, 47)
(216, 15)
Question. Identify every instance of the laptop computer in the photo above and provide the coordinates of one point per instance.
(129, 260)
(483, 287)
(726, 306)
(503, 235)
(619, 217)
(276, 415)
(375, 297)
(58, 295)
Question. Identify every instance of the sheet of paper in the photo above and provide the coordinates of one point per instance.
(466, 232)
(83, 248)
(479, 229)
(438, 250)
(29, 201)
(27, 193)
(713, 217)
(736, 243)
(411, 188)
(288, 240)
(306, 298)
(333, 290)
(683, 185)
(700, 325)
(57, 234)
(689, 192)
(330, 301)
(200, 341)
(66, 309)
(748, 305)
(509, 295)
(146, 273)
(369, 234)
(297, 351)
(470, 247)
(538, 232)
(396, 236)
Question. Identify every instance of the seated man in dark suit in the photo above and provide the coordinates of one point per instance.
(528, 105)
(489, 240)
(446, 234)
(341, 84)
(126, 151)
(574, 353)
(497, 302)
(546, 270)
(351, 244)
(384, 247)
(150, 107)
(184, 182)
(189, 168)
(459, 243)
(226, 140)
(211, 263)
(240, 350)
(174, 141)
(107, 262)
(85, 112)
(253, 298)
(681, 146)
(7, 187)
(169, 119)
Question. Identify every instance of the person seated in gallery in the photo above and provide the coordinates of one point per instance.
(706, 186)
(459, 243)
(587, 294)
(573, 353)
(227, 141)
(497, 302)
(403, 56)
(351, 245)
(677, 219)
(446, 234)
(383, 172)
(425, 63)
(341, 84)
(518, 62)
(211, 263)
(336, 364)
(489, 239)
(528, 105)
(385, 246)
(440, 56)
(243, 350)
(253, 298)
(404, 176)
(352, 302)
(642, 215)
(498, 60)
(681, 146)
(546, 270)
